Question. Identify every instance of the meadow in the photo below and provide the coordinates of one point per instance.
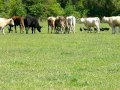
(42, 61)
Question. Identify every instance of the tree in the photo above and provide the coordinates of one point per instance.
(17, 8)
(117, 7)
(45, 8)
(69, 8)
(99, 7)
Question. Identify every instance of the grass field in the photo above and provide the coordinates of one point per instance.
(41, 61)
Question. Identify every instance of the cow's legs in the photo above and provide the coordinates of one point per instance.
(62, 29)
(9, 29)
(21, 26)
(27, 28)
(52, 29)
(21, 29)
(2, 29)
(32, 30)
(98, 29)
(73, 28)
(15, 29)
(67, 29)
(113, 30)
(97, 26)
(89, 29)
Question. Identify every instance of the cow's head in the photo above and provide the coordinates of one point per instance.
(11, 22)
(39, 28)
(105, 19)
(82, 20)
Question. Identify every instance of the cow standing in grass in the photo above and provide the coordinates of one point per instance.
(51, 23)
(4, 22)
(32, 22)
(18, 21)
(70, 24)
(91, 22)
(60, 24)
(113, 22)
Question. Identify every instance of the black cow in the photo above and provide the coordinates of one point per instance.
(32, 22)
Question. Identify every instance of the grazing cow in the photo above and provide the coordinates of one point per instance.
(4, 22)
(113, 22)
(91, 22)
(51, 23)
(18, 20)
(60, 24)
(32, 22)
(70, 23)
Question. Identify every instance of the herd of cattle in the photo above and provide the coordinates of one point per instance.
(27, 22)
(59, 24)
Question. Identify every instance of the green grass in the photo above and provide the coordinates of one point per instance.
(42, 61)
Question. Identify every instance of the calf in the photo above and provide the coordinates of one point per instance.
(32, 22)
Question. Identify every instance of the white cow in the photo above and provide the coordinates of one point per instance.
(70, 23)
(91, 22)
(113, 22)
(4, 22)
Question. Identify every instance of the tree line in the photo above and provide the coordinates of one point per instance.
(45, 8)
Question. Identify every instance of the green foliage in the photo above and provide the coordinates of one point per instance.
(69, 9)
(117, 7)
(45, 8)
(55, 9)
(99, 7)
(17, 8)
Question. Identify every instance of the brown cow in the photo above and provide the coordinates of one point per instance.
(18, 20)
(60, 24)
(51, 23)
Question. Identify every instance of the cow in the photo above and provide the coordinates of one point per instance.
(70, 24)
(18, 20)
(113, 21)
(91, 22)
(60, 24)
(51, 23)
(4, 22)
(32, 22)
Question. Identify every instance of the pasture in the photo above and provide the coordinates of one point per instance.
(42, 61)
